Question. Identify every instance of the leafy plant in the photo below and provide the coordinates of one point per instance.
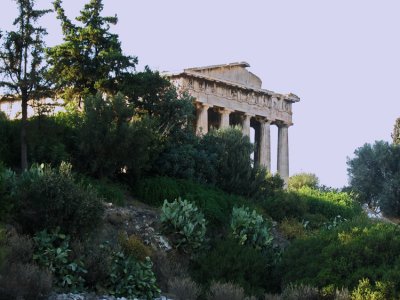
(52, 251)
(250, 228)
(132, 278)
(47, 198)
(185, 222)
(366, 290)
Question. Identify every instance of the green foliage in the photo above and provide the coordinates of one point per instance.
(300, 180)
(396, 132)
(285, 205)
(111, 142)
(300, 292)
(131, 278)
(133, 246)
(52, 251)
(7, 178)
(365, 290)
(91, 58)
(359, 248)
(47, 198)
(185, 222)
(329, 203)
(375, 175)
(292, 229)
(214, 203)
(227, 261)
(250, 228)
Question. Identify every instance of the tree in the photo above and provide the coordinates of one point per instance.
(396, 132)
(21, 64)
(299, 180)
(91, 58)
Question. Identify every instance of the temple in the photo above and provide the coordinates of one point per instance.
(228, 95)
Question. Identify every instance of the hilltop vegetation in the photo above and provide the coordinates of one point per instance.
(234, 231)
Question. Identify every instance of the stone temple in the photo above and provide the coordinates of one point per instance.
(229, 95)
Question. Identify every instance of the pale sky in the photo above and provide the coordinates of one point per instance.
(341, 57)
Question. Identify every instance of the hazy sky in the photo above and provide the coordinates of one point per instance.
(340, 57)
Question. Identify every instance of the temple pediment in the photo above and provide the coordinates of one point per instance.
(233, 72)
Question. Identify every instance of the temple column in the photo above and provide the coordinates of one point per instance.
(265, 144)
(246, 124)
(283, 152)
(225, 118)
(202, 118)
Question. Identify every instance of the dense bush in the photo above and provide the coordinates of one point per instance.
(131, 278)
(184, 288)
(53, 252)
(329, 203)
(250, 228)
(7, 178)
(133, 246)
(245, 266)
(300, 180)
(366, 290)
(342, 256)
(221, 291)
(183, 220)
(47, 198)
(214, 203)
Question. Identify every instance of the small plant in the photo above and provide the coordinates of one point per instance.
(133, 246)
(293, 229)
(52, 251)
(334, 223)
(24, 281)
(185, 222)
(21, 249)
(222, 291)
(366, 290)
(300, 292)
(132, 278)
(184, 288)
(250, 228)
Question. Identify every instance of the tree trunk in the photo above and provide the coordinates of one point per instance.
(24, 122)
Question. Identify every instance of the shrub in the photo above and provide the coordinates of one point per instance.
(20, 249)
(292, 229)
(133, 246)
(184, 288)
(221, 291)
(46, 198)
(366, 290)
(285, 205)
(214, 203)
(131, 278)
(24, 281)
(52, 251)
(300, 180)
(185, 222)
(300, 292)
(227, 261)
(342, 256)
(7, 178)
(109, 191)
(250, 228)
(330, 203)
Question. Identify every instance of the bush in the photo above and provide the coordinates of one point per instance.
(250, 228)
(285, 205)
(24, 281)
(46, 198)
(300, 292)
(222, 291)
(185, 222)
(184, 288)
(227, 261)
(342, 256)
(214, 203)
(7, 178)
(330, 203)
(20, 249)
(292, 229)
(365, 290)
(131, 278)
(300, 180)
(52, 251)
(133, 246)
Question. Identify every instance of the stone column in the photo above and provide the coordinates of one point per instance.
(246, 124)
(202, 118)
(283, 152)
(225, 118)
(265, 144)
